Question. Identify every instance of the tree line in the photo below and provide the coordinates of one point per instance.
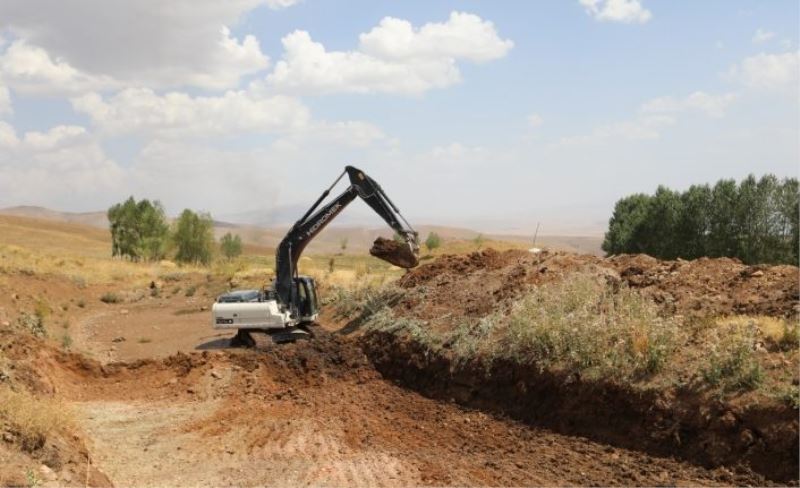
(140, 232)
(755, 221)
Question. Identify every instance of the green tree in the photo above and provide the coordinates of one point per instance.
(756, 221)
(694, 222)
(230, 245)
(138, 229)
(722, 240)
(193, 237)
(433, 241)
(625, 228)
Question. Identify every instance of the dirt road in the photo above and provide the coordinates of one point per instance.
(319, 414)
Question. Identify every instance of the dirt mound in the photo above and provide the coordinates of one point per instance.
(488, 281)
(673, 415)
(394, 252)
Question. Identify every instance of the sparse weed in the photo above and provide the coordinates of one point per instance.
(145, 340)
(34, 418)
(66, 341)
(31, 478)
(78, 281)
(171, 277)
(81, 303)
(732, 362)
(41, 309)
(190, 291)
(33, 323)
(581, 323)
(110, 298)
(776, 332)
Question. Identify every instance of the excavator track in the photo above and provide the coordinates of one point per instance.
(262, 340)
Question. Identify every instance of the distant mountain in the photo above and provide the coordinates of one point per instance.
(94, 219)
(359, 237)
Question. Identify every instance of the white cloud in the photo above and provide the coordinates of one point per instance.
(535, 120)
(625, 11)
(762, 36)
(175, 114)
(31, 69)
(463, 36)
(150, 42)
(641, 129)
(711, 105)
(5, 101)
(63, 167)
(769, 71)
(185, 175)
(281, 4)
(392, 58)
(8, 136)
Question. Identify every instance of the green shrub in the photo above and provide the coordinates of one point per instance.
(732, 363)
(110, 298)
(190, 291)
(33, 323)
(583, 323)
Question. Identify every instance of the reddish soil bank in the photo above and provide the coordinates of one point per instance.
(675, 421)
(316, 413)
(684, 424)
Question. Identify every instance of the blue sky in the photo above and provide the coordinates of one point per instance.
(494, 115)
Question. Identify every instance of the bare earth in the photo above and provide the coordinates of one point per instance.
(306, 414)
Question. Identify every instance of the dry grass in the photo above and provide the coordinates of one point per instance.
(582, 324)
(80, 270)
(776, 332)
(34, 418)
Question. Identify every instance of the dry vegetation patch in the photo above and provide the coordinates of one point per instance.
(34, 418)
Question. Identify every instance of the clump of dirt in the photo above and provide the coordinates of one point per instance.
(398, 254)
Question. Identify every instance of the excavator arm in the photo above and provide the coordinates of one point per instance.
(317, 218)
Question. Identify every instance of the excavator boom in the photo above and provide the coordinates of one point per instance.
(319, 216)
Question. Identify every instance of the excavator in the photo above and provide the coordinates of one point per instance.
(285, 311)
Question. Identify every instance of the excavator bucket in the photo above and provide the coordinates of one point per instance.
(396, 253)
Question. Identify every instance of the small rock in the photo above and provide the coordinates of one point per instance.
(757, 273)
(216, 375)
(112, 348)
(728, 420)
(8, 437)
(47, 473)
(6, 323)
(173, 381)
(746, 438)
(118, 339)
(203, 308)
(124, 311)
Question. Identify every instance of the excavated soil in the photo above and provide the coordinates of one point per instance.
(681, 422)
(314, 413)
(394, 252)
(185, 409)
(487, 281)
